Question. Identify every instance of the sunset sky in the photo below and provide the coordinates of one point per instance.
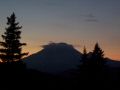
(76, 22)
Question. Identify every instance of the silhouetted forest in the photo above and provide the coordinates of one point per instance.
(91, 73)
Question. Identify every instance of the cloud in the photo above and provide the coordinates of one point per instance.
(90, 17)
(51, 43)
(91, 20)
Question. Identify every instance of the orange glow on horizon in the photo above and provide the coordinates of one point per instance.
(113, 56)
(107, 53)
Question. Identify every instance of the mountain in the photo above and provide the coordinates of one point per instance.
(112, 63)
(109, 62)
(54, 58)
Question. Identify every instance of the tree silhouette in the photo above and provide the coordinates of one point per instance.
(12, 47)
(84, 57)
(97, 57)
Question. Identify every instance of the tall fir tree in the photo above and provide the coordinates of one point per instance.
(12, 47)
(97, 56)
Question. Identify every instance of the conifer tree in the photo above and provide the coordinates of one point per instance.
(11, 46)
(84, 56)
(97, 55)
(84, 52)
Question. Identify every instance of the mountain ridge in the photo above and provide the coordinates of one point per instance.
(58, 58)
(54, 58)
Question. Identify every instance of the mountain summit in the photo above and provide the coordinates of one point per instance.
(54, 58)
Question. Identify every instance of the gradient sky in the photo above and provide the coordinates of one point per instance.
(77, 22)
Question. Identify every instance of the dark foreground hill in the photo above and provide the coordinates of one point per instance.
(15, 76)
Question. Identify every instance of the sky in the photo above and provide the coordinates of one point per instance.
(76, 22)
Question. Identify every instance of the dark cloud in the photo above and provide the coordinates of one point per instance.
(90, 17)
(58, 45)
(51, 44)
(91, 20)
